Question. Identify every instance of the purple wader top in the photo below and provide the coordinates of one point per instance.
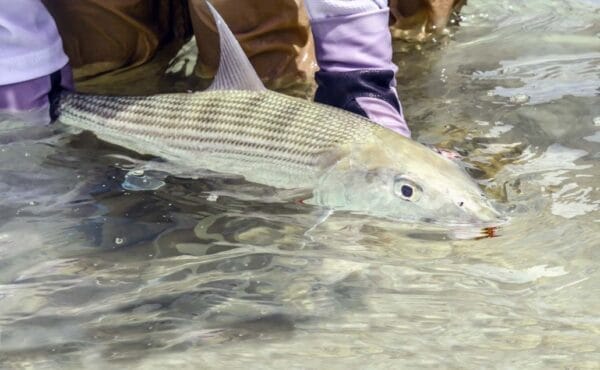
(355, 52)
(30, 51)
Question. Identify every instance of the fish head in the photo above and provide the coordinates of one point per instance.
(395, 177)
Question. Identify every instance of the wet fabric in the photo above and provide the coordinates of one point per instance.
(34, 101)
(107, 35)
(420, 19)
(354, 53)
(30, 46)
(275, 35)
(32, 94)
(101, 36)
(320, 9)
(341, 89)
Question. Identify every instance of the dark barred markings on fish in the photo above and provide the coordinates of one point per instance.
(239, 127)
(258, 124)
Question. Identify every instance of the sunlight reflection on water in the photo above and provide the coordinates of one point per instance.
(219, 273)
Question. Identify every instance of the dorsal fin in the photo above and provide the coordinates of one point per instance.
(235, 71)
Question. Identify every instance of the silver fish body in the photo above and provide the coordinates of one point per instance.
(266, 137)
(349, 162)
(239, 127)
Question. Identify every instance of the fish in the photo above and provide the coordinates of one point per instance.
(237, 126)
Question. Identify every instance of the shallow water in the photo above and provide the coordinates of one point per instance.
(213, 273)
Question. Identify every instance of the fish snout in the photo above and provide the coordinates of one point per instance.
(482, 212)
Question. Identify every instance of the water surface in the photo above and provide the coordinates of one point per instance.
(213, 273)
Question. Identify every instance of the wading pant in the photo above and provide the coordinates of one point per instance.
(420, 19)
(102, 36)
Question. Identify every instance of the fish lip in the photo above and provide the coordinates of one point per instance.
(501, 221)
(473, 223)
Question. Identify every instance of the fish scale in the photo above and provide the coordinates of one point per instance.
(221, 129)
(238, 127)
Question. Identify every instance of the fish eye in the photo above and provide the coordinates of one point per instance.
(406, 189)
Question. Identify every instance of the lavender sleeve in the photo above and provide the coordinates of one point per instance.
(354, 51)
(30, 46)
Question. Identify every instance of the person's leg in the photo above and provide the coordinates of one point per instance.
(420, 19)
(36, 93)
(275, 34)
(32, 61)
(354, 52)
(103, 36)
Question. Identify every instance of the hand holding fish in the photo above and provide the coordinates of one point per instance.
(354, 52)
(352, 42)
(239, 127)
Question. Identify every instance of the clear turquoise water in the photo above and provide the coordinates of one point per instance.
(95, 276)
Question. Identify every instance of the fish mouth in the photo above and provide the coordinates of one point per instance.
(480, 217)
(491, 217)
(481, 212)
(473, 228)
(471, 223)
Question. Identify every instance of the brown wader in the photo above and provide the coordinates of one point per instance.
(103, 36)
(107, 35)
(419, 19)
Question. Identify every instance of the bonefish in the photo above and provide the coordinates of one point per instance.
(239, 127)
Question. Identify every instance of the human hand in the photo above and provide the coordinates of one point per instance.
(421, 19)
(185, 60)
